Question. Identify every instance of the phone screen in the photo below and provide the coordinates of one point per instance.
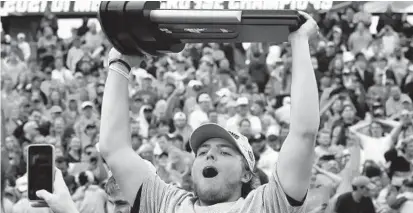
(40, 170)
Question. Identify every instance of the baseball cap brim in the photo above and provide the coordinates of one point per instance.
(209, 131)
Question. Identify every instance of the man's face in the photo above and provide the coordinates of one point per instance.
(217, 171)
(91, 131)
(136, 142)
(37, 103)
(206, 65)
(146, 83)
(395, 93)
(224, 64)
(348, 113)
(205, 105)
(147, 156)
(258, 146)
(324, 139)
(243, 110)
(245, 127)
(376, 130)
(118, 204)
(213, 117)
(75, 144)
(180, 123)
(331, 166)
(59, 125)
(36, 116)
(256, 109)
(87, 111)
(177, 143)
(365, 191)
(62, 165)
(409, 147)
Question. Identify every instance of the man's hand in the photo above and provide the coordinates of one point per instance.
(60, 201)
(133, 61)
(307, 30)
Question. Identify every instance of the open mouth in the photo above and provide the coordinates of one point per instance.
(209, 172)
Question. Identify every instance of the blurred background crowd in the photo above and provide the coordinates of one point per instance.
(52, 88)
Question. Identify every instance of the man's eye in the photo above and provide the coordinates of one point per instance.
(225, 153)
(201, 153)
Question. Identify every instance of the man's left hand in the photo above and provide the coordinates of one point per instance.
(307, 30)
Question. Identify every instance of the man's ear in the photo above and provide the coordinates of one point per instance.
(246, 176)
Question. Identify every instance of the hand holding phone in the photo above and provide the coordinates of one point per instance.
(60, 201)
(40, 170)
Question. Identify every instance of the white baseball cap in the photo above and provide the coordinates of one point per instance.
(224, 92)
(179, 116)
(242, 101)
(210, 130)
(87, 104)
(193, 83)
(21, 35)
(56, 109)
(204, 98)
(22, 184)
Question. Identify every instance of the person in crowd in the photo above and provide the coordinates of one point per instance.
(24, 46)
(359, 39)
(200, 115)
(243, 108)
(117, 203)
(359, 199)
(268, 156)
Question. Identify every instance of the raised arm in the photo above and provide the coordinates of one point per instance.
(395, 132)
(297, 153)
(115, 146)
(352, 168)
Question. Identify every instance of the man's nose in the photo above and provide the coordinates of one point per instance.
(211, 155)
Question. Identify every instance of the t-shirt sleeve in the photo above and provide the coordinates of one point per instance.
(390, 155)
(340, 206)
(155, 195)
(270, 198)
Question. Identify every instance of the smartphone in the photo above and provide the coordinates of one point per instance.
(40, 169)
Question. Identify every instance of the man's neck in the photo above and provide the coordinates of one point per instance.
(356, 197)
(27, 136)
(208, 204)
(323, 146)
(74, 153)
(179, 129)
(263, 149)
(243, 115)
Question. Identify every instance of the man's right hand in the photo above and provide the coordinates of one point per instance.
(133, 61)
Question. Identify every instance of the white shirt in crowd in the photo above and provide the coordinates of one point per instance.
(267, 160)
(374, 148)
(73, 56)
(407, 207)
(62, 75)
(390, 42)
(233, 123)
(93, 40)
(25, 48)
(283, 113)
(197, 118)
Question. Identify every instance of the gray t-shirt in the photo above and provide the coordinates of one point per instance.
(159, 197)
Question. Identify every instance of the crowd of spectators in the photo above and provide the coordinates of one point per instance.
(52, 93)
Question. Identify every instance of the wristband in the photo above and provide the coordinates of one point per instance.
(120, 71)
(122, 62)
